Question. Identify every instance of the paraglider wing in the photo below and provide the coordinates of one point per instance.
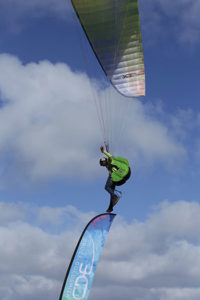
(113, 30)
(82, 267)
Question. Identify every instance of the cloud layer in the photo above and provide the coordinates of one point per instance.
(157, 259)
(49, 125)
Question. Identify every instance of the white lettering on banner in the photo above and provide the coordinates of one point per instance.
(81, 283)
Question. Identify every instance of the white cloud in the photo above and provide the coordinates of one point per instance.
(9, 212)
(49, 126)
(32, 257)
(154, 259)
(150, 138)
(58, 216)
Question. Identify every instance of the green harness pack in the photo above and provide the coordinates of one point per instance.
(123, 168)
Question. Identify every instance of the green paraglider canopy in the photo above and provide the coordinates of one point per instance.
(113, 30)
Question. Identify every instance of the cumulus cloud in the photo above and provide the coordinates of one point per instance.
(156, 259)
(36, 256)
(10, 212)
(150, 138)
(49, 125)
(48, 122)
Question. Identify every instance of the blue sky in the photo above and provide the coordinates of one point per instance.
(51, 183)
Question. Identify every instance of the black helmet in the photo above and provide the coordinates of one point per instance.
(103, 161)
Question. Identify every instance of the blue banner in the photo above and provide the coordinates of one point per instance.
(78, 280)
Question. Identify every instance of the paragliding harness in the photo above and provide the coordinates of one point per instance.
(123, 171)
